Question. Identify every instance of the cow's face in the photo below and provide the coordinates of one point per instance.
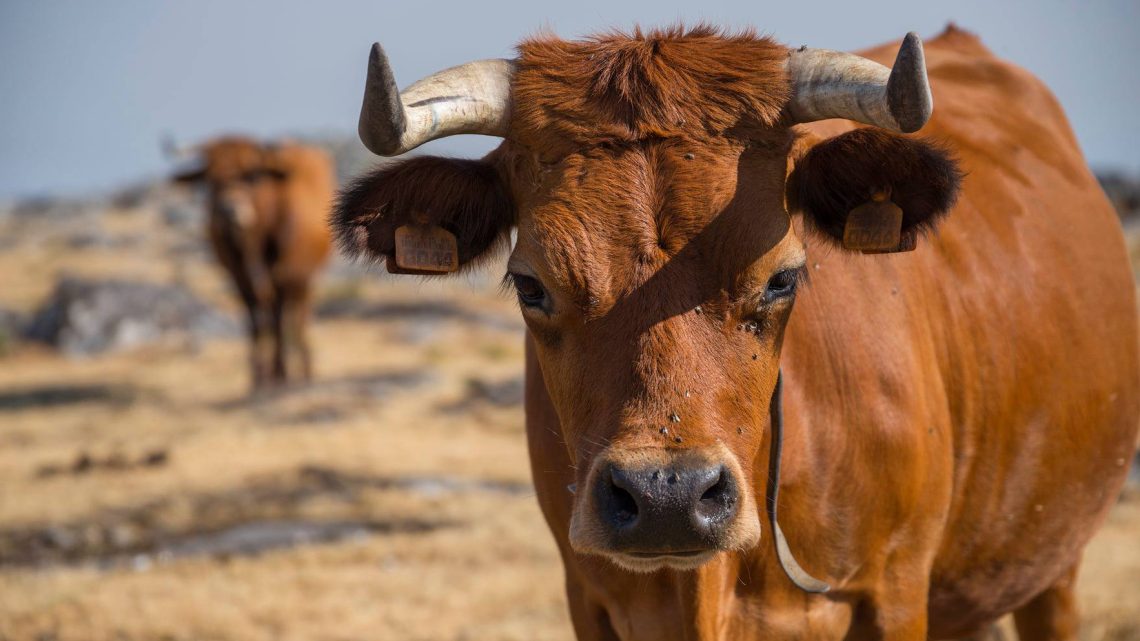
(238, 174)
(656, 274)
(656, 280)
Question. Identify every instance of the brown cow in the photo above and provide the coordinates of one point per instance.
(269, 206)
(958, 418)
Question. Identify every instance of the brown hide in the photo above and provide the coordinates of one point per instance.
(268, 226)
(958, 418)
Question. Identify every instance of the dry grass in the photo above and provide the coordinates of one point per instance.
(392, 402)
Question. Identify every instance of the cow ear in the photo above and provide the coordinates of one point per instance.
(847, 171)
(465, 197)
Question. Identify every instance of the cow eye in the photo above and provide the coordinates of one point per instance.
(530, 291)
(782, 285)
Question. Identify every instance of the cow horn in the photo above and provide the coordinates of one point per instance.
(473, 98)
(833, 84)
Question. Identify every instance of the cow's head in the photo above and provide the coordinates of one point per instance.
(653, 180)
(239, 174)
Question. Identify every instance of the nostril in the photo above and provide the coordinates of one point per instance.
(718, 501)
(623, 504)
(717, 490)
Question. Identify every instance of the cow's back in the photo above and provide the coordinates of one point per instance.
(993, 373)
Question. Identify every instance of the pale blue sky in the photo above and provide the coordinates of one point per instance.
(87, 88)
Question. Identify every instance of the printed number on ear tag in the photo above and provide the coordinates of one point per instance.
(424, 249)
(875, 227)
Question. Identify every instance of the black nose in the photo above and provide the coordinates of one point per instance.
(660, 510)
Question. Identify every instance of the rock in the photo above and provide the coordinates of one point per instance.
(61, 538)
(99, 239)
(84, 316)
(137, 195)
(1123, 191)
(182, 215)
(46, 208)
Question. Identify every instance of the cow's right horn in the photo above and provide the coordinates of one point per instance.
(473, 98)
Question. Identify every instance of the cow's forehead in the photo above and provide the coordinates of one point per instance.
(229, 156)
(602, 222)
(630, 87)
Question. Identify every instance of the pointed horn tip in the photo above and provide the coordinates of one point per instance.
(382, 120)
(908, 89)
(378, 60)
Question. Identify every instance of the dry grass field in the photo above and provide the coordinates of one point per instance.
(143, 496)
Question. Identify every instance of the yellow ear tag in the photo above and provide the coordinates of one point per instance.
(424, 249)
(875, 227)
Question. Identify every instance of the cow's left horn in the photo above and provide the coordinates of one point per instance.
(469, 99)
(832, 84)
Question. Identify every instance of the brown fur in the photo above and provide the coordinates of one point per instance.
(268, 228)
(620, 88)
(958, 418)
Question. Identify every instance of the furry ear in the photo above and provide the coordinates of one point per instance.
(841, 173)
(466, 197)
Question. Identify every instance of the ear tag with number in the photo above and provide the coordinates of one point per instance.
(875, 227)
(424, 249)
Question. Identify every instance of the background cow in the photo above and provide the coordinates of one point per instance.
(958, 418)
(267, 224)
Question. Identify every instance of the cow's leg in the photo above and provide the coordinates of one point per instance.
(280, 336)
(258, 329)
(296, 296)
(234, 253)
(1051, 615)
(265, 292)
(294, 318)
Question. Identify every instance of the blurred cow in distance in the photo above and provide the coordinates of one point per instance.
(268, 207)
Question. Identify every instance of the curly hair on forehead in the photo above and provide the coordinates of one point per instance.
(631, 86)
